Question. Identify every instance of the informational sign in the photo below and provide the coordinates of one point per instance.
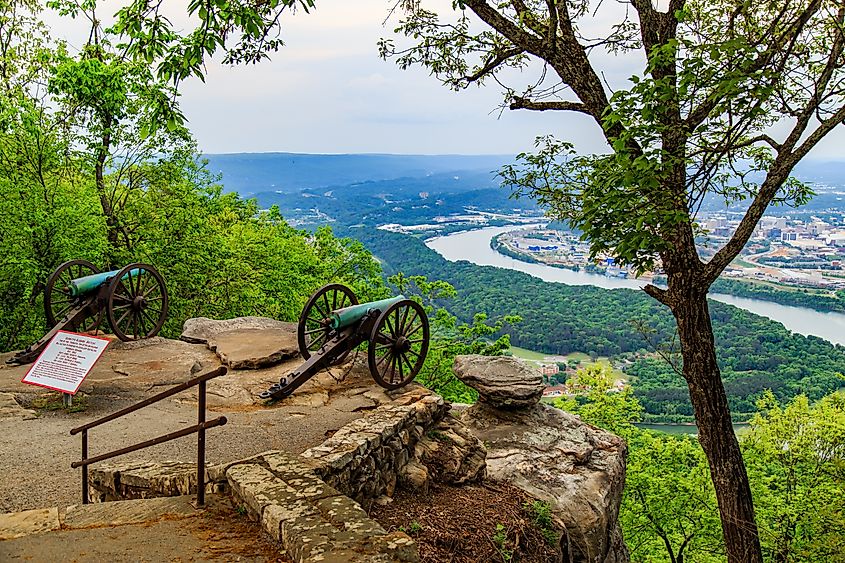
(66, 361)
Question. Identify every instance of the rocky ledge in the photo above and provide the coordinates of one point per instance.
(553, 455)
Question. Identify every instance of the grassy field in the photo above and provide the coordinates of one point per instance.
(582, 359)
(525, 354)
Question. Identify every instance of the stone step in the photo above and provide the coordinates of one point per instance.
(312, 520)
(79, 516)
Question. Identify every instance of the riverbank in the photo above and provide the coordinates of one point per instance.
(793, 296)
(474, 246)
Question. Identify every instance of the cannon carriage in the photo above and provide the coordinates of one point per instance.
(333, 324)
(78, 296)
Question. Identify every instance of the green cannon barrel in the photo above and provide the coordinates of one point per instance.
(342, 318)
(87, 284)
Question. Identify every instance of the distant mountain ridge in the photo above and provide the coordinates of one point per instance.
(253, 173)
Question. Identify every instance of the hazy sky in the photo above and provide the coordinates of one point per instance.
(327, 91)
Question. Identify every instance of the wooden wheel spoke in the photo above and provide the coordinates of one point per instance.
(120, 320)
(126, 293)
(399, 363)
(389, 325)
(410, 365)
(153, 323)
(141, 282)
(403, 320)
(141, 323)
(153, 288)
(312, 331)
(408, 335)
(316, 321)
(320, 310)
(392, 368)
(384, 357)
(321, 338)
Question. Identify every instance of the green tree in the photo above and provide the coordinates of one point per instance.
(796, 458)
(667, 511)
(110, 104)
(598, 402)
(694, 123)
(85, 174)
(668, 508)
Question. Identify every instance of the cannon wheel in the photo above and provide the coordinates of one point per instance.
(314, 329)
(398, 344)
(57, 299)
(137, 304)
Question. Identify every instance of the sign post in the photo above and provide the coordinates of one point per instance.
(65, 362)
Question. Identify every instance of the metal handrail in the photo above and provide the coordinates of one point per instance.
(199, 428)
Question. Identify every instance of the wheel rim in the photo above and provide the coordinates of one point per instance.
(57, 299)
(314, 329)
(398, 344)
(138, 303)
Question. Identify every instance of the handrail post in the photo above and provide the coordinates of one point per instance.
(84, 467)
(201, 445)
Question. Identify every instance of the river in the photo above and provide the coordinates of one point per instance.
(474, 246)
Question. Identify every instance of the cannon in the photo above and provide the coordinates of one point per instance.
(333, 323)
(77, 295)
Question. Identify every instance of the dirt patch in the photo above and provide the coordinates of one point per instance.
(493, 522)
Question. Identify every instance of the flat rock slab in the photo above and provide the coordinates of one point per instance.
(200, 330)
(504, 382)
(244, 342)
(255, 348)
(9, 408)
(20, 524)
(127, 512)
(140, 364)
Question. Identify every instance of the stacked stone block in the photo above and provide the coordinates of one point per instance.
(364, 459)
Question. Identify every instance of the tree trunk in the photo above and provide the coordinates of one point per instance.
(100, 179)
(715, 432)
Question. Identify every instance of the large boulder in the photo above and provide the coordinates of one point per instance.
(502, 381)
(578, 468)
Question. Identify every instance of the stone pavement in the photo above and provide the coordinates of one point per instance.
(161, 529)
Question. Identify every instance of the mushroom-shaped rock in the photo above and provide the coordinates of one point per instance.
(503, 382)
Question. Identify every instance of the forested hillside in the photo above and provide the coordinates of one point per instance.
(95, 165)
(755, 353)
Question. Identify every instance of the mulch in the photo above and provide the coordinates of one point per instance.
(474, 523)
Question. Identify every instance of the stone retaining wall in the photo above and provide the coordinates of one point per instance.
(304, 501)
(365, 458)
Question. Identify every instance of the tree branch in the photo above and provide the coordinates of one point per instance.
(493, 63)
(697, 115)
(522, 103)
(661, 295)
